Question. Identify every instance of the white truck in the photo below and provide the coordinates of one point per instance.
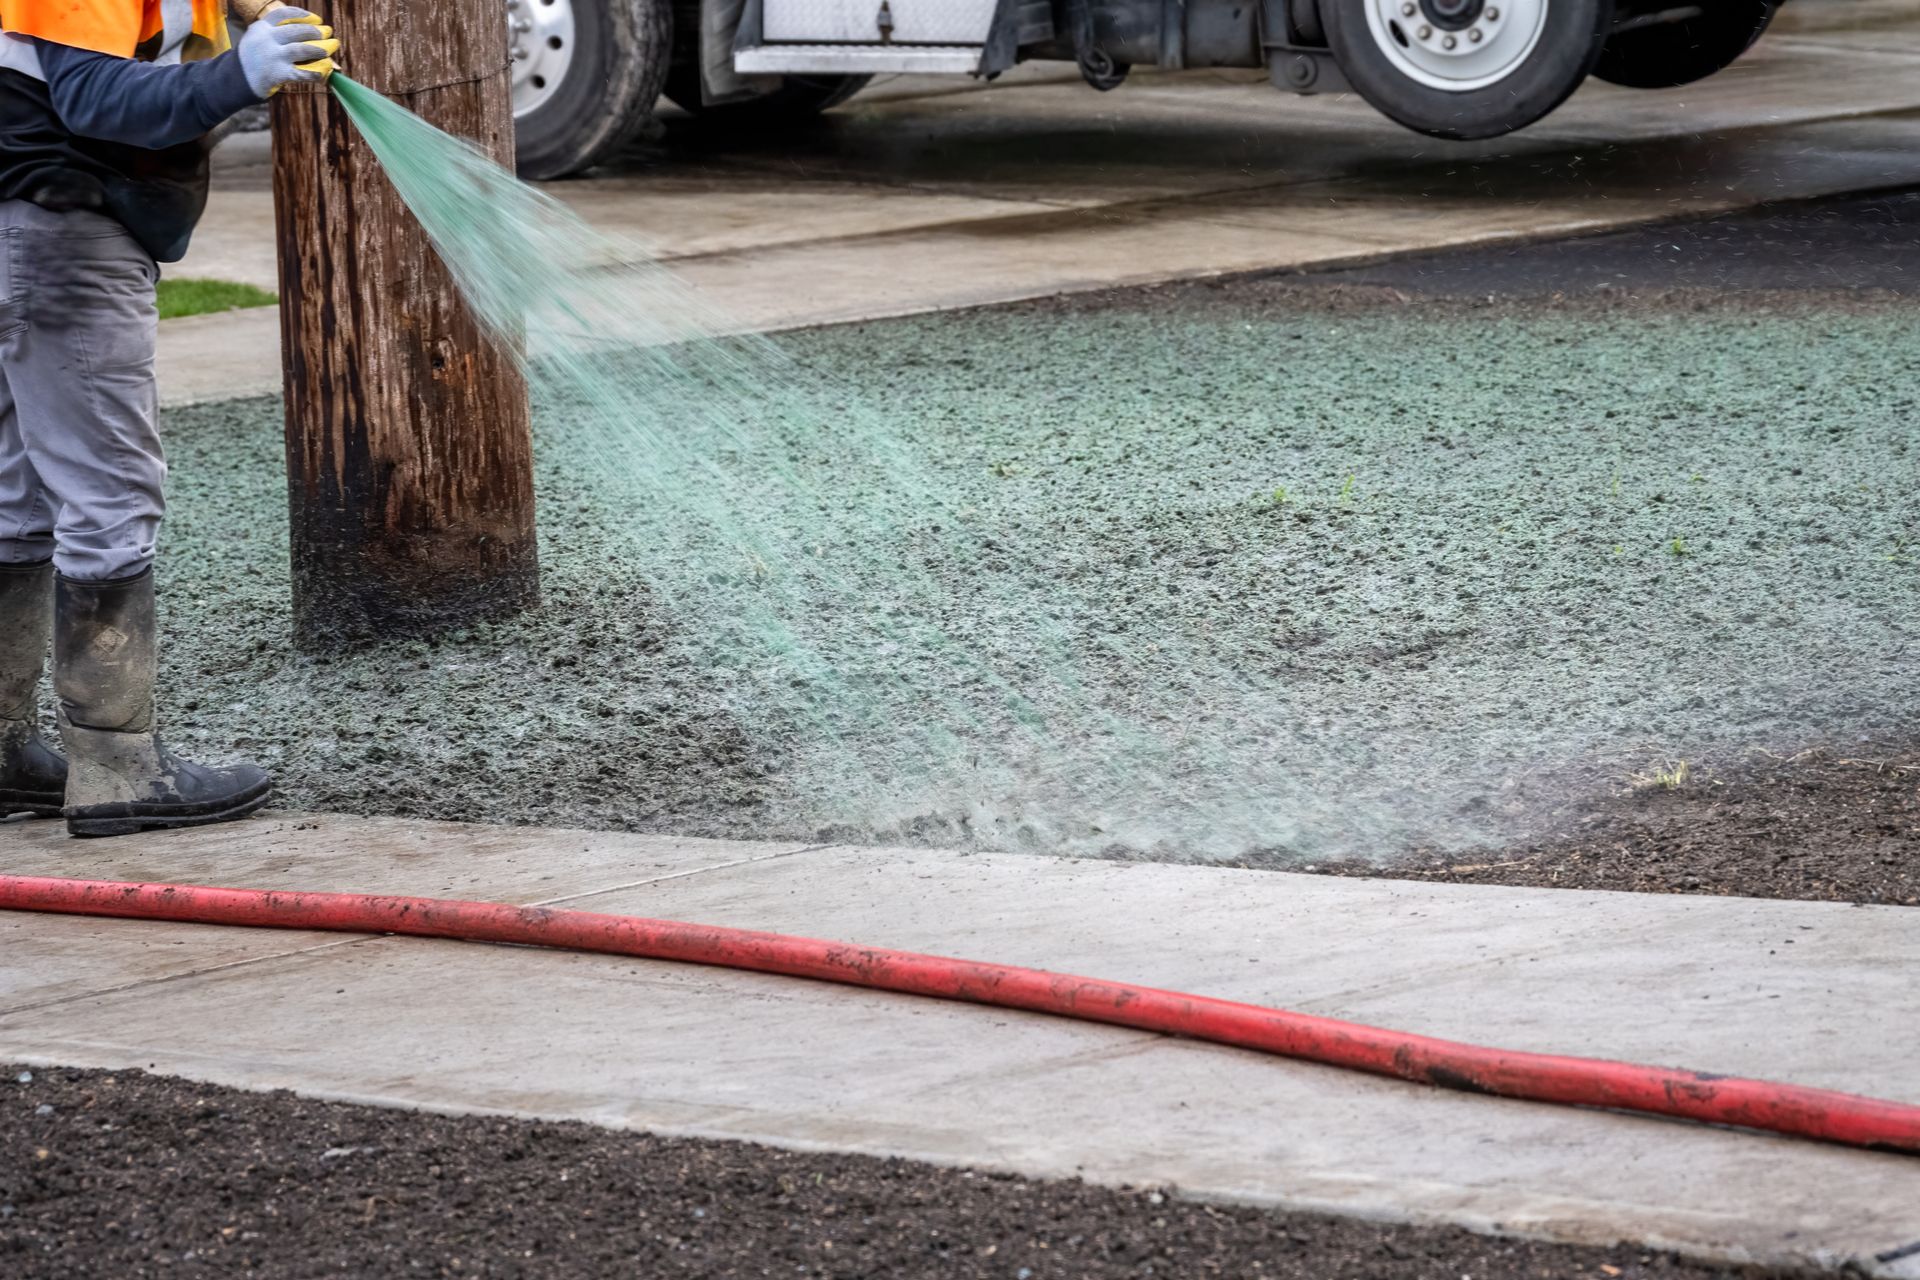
(586, 73)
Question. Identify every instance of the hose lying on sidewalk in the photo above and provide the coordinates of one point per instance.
(1587, 1082)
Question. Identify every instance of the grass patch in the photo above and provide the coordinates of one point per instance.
(1670, 776)
(198, 297)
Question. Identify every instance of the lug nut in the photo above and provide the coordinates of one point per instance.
(1425, 33)
(1493, 15)
(1474, 35)
(1448, 43)
(1408, 10)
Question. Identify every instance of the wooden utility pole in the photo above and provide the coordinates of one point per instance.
(409, 450)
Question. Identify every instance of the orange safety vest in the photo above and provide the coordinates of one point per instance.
(122, 28)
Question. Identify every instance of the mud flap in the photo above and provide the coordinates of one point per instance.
(720, 33)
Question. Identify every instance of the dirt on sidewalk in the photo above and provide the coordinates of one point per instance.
(1819, 826)
(130, 1175)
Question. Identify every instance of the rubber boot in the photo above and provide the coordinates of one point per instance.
(33, 778)
(121, 779)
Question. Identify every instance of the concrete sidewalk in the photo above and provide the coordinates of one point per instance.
(1820, 994)
(922, 195)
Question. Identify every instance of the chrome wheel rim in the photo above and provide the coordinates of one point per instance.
(1456, 45)
(540, 42)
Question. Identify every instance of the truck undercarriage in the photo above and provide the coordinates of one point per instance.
(587, 72)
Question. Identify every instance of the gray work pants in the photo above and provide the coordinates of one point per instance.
(82, 475)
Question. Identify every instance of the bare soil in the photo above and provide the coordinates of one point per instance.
(130, 1175)
(1821, 826)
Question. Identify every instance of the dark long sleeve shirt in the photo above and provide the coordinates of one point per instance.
(141, 104)
(117, 136)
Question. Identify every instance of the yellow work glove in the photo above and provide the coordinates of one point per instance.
(286, 46)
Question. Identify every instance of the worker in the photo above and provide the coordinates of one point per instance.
(106, 112)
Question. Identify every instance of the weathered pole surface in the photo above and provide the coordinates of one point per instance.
(409, 449)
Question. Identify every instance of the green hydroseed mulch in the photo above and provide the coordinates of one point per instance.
(1473, 556)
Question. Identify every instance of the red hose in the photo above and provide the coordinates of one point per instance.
(1587, 1082)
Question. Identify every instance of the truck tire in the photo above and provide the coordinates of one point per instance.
(1466, 68)
(585, 75)
(1665, 54)
(796, 100)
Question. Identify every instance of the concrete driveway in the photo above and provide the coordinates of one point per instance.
(926, 194)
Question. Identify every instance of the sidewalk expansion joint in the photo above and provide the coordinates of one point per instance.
(8, 1014)
(679, 875)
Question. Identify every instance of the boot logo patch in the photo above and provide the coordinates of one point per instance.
(109, 641)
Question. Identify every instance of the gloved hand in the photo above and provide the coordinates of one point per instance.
(286, 46)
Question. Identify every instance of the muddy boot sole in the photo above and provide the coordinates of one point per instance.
(41, 804)
(129, 818)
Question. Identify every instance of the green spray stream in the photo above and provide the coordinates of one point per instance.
(988, 689)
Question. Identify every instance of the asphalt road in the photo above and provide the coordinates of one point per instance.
(1869, 243)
